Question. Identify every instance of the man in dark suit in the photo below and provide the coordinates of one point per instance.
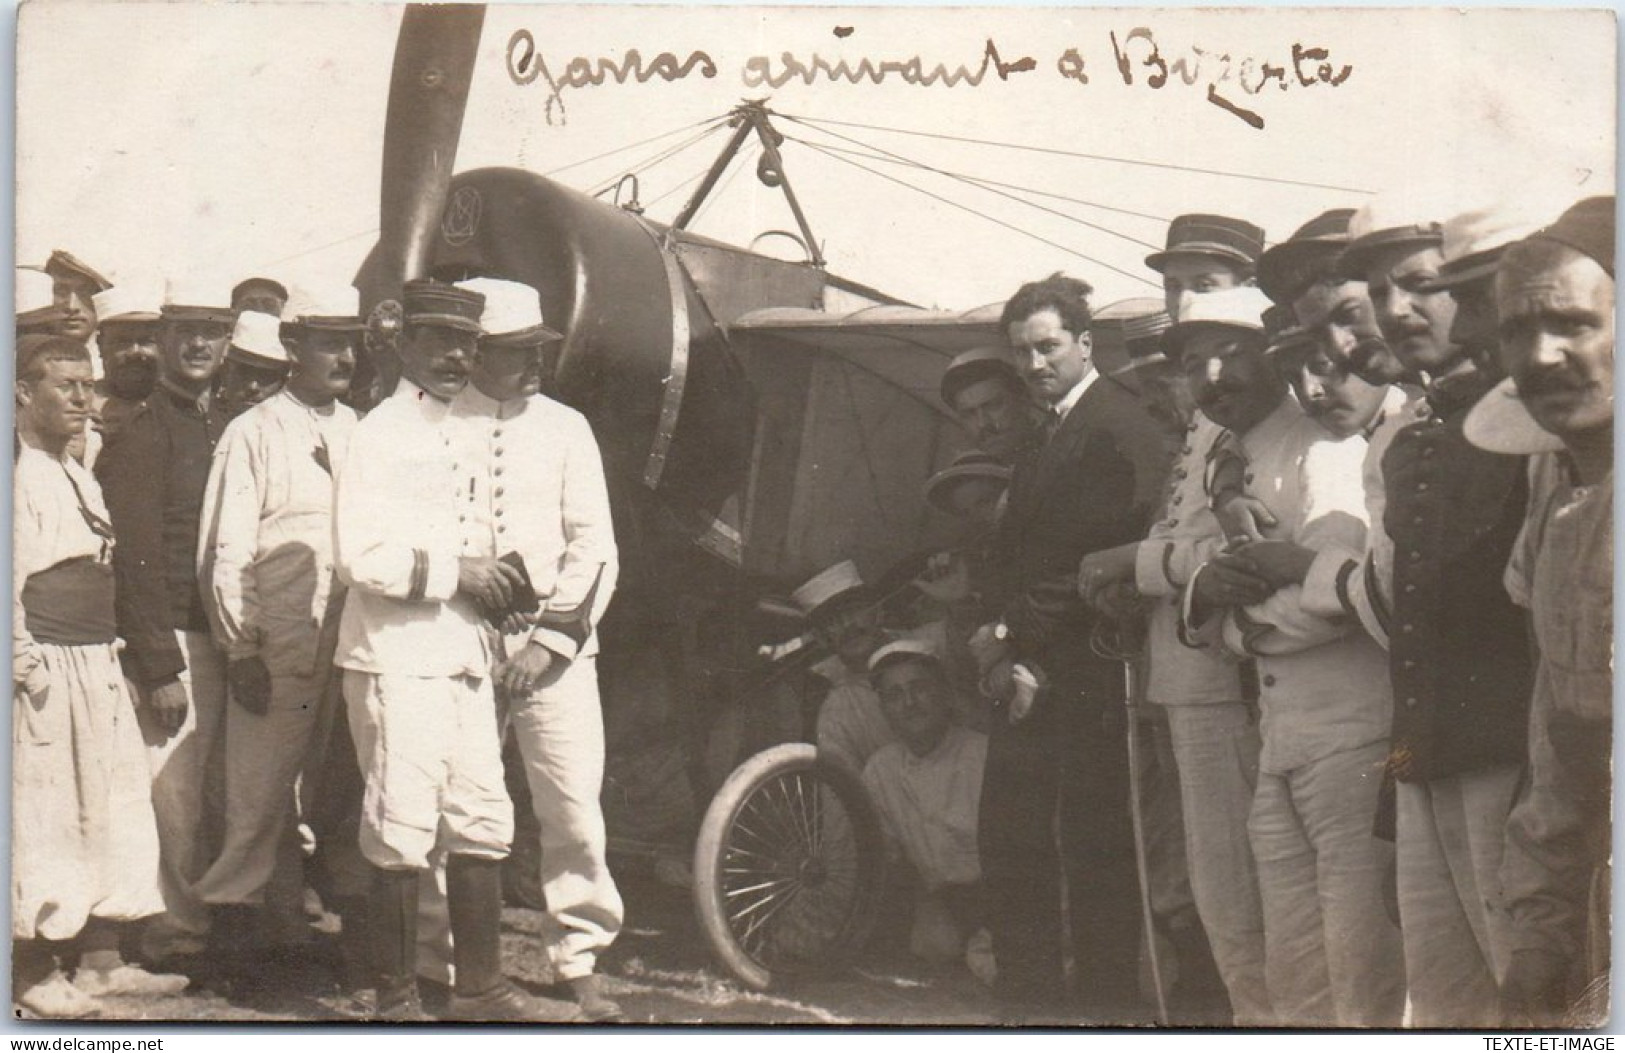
(1060, 751)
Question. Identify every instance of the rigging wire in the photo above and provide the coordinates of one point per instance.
(697, 176)
(319, 248)
(633, 146)
(983, 180)
(887, 155)
(650, 162)
(815, 121)
(983, 215)
(741, 164)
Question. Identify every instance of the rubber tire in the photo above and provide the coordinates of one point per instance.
(725, 809)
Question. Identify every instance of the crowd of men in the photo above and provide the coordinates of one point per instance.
(262, 639)
(1279, 653)
(1343, 507)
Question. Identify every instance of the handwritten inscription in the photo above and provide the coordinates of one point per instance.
(1230, 82)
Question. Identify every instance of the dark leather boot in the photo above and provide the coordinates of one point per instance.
(474, 897)
(393, 925)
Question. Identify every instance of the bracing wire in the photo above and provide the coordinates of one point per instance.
(634, 146)
(982, 215)
(319, 248)
(655, 159)
(983, 180)
(815, 121)
(697, 176)
(887, 155)
(740, 164)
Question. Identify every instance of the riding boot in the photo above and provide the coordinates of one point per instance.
(481, 992)
(393, 925)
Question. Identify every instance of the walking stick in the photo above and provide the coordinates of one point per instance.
(1115, 642)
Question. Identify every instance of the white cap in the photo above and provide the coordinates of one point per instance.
(129, 302)
(826, 585)
(1473, 240)
(256, 341)
(1413, 216)
(330, 307)
(1241, 307)
(512, 310)
(906, 647)
(33, 290)
(198, 298)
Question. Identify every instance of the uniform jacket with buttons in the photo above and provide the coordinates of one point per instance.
(536, 487)
(1092, 486)
(153, 480)
(1458, 644)
(1323, 683)
(265, 546)
(1187, 535)
(397, 543)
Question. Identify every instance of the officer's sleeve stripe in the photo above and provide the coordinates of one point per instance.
(420, 575)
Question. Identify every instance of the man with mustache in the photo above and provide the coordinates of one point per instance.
(266, 555)
(74, 285)
(153, 479)
(539, 495)
(1555, 300)
(1332, 957)
(417, 666)
(127, 340)
(1063, 759)
(85, 847)
(256, 364)
(989, 400)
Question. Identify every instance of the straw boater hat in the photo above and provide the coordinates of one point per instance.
(336, 308)
(129, 303)
(972, 465)
(1138, 323)
(1240, 308)
(830, 590)
(1474, 241)
(974, 365)
(1282, 268)
(904, 650)
(63, 264)
(1501, 423)
(256, 341)
(512, 314)
(194, 298)
(428, 302)
(1411, 218)
(1232, 240)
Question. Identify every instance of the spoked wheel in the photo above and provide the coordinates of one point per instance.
(789, 866)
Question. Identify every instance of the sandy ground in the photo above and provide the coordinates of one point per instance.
(659, 971)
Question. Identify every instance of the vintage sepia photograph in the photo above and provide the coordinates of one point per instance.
(1018, 517)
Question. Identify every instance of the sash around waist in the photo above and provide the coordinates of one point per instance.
(71, 603)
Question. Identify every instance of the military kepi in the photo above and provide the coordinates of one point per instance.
(428, 302)
(1233, 240)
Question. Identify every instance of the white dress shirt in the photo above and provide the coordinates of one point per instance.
(398, 533)
(265, 543)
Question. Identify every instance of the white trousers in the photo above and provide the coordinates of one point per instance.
(1451, 837)
(559, 728)
(430, 752)
(265, 754)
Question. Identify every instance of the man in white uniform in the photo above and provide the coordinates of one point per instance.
(539, 494)
(265, 553)
(416, 661)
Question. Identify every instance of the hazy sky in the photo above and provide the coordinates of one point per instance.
(245, 138)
